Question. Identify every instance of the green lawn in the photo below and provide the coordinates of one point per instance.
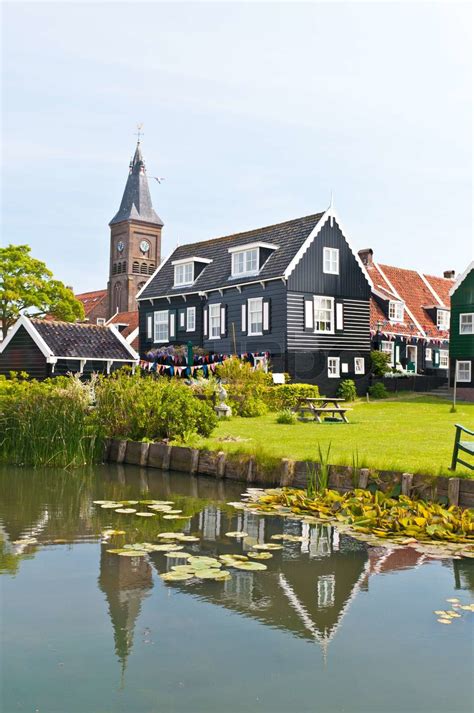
(410, 433)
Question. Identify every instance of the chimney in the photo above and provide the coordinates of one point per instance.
(449, 274)
(366, 256)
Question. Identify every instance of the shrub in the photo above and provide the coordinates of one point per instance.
(378, 391)
(140, 406)
(286, 416)
(245, 387)
(347, 390)
(379, 362)
(285, 396)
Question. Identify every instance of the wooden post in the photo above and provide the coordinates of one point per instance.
(454, 383)
(194, 461)
(363, 478)
(220, 468)
(407, 482)
(166, 458)
(453, 491)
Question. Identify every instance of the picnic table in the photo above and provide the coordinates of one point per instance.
(316, 407)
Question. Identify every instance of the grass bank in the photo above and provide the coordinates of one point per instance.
(410, 433)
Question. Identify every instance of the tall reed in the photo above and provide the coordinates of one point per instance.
(317, 474)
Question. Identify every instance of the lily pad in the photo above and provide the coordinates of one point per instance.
(188, 538)
(144, 514)
(444, 621)
(250, 566)
(170, 547)
(126, 511)
(176, 517)
(260, 555)
(210, 573)
(453, 599)
(132, 553)
(237, 534)
(113, 533)
(176, 576)
(101, 502)
(109, 506)
(268, 546)
(178, 555)
(170, 535)
(207, 561)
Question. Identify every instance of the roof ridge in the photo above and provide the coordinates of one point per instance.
(38, 320)
(253, 230)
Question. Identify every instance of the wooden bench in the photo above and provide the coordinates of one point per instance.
(465, 446)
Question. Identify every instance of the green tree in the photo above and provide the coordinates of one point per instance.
(27, 286)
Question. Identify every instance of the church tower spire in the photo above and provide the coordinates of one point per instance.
(135, 239)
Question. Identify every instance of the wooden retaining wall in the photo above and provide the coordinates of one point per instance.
(286, 472)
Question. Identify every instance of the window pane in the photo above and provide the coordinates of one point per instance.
(323, 314)
(466, 324)
(255, 316)
(215, 321)
(161, 326)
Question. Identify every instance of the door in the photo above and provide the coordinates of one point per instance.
(412, 356)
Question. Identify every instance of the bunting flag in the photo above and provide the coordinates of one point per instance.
(167, 364)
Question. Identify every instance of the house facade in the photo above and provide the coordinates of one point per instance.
(461, 347)
(296, 290)
(43, 348)
(409, 316)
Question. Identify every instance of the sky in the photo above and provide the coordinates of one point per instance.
(253, 112)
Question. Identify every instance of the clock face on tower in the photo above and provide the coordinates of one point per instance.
(120, 246)
(144, 246)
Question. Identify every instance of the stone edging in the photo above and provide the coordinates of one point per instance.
(455, 491)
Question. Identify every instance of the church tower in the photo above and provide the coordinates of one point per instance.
(135, 240)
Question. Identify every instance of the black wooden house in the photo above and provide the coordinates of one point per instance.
(296, 290)
(44, 348)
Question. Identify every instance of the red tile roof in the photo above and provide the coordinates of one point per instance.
(91, 299)
(408, 286)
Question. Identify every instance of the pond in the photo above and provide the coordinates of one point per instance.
(331, 625)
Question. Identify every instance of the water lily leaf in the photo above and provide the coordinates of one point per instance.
(208, 561)
(144, 514)
(268, 546)
(107, 506)
(260, 555)
(116, 551)
(222, 575)
(166, 548)
(453, 599)
(233, 558)
(238, 506)
(250, 566)
(126, 511)
(210, 573)
(128, 502)
(132, 553)
(102, 502)
(176, 517)
(174, 512)
(178, 555)
(439, 612)
(112, 533)
(176, 576)
(170, 535)
(277, 537)
(444, 621)
(188, 538)
(237, 534)
(182, 568)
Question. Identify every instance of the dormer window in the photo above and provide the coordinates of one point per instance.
(187, 270)
(395, 311)
(249, 259)
(245, 262)
(184, 273)
(442, 319)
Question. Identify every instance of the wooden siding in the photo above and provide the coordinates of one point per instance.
(22, 354)
(462, 345)
(308, 275)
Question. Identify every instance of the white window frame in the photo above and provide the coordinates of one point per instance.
(468, 372)
(180, 277)
(334, 363)
(164, 320)
(331, 261)
(428, 354)
(466, 314)
(191, 319)
(258, 301)
(396, 311)
(359, 365)
(443, 357)
(182, 318)
(444, 322)
(319, 309)
(390, 351)
(215, 326)
(100, 321)
(149, 325)
(244, 269)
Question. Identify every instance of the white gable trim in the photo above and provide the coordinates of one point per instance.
(132, 335)
(461, 278)
(332, 215)
(407, 310)
(123, 341)
(23, 321)
(162, 264)
(431, 288)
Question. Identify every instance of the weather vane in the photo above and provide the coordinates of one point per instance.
(139, 132)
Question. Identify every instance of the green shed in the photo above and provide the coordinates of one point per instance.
(461, 345)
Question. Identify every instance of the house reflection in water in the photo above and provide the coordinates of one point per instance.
(125, 581)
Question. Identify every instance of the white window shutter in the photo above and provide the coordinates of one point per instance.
(244, 317)
(172, 325)
(223, 320)
(339, 316)
(308, 314)
(149, 326)
(205, 322)
(266, 316)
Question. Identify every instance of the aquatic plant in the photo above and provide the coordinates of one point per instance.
(362, 511)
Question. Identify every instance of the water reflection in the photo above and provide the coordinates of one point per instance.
(307, 590)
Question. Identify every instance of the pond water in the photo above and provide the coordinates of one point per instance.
(331, 625)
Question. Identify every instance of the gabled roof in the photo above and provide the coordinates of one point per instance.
(288, 237)
(90, 300)
(130, 331)
(418, 292)
(136, 201)
(71, 340)
(461, 278)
